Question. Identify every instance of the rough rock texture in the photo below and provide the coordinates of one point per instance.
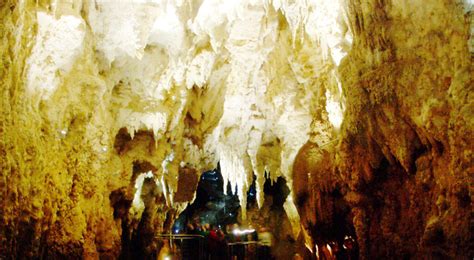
(272, 215)
(404, 158)
(363, 107)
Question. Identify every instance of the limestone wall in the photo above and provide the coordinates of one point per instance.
(372, 98)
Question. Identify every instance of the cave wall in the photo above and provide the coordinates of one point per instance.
(403, 162)
(368, 102)
(406, 160)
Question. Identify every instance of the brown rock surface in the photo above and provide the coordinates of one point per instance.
(403, 162)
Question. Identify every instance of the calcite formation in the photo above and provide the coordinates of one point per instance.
(110, 110)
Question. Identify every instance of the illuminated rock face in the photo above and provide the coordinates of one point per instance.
(403, 161)
(106, 108)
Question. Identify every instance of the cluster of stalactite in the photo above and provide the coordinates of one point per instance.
(110, 112)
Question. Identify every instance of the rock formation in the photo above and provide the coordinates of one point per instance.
(111, 110)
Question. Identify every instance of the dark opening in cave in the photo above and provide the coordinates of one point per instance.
(211, 205)
(214, 207)
(213, 210)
